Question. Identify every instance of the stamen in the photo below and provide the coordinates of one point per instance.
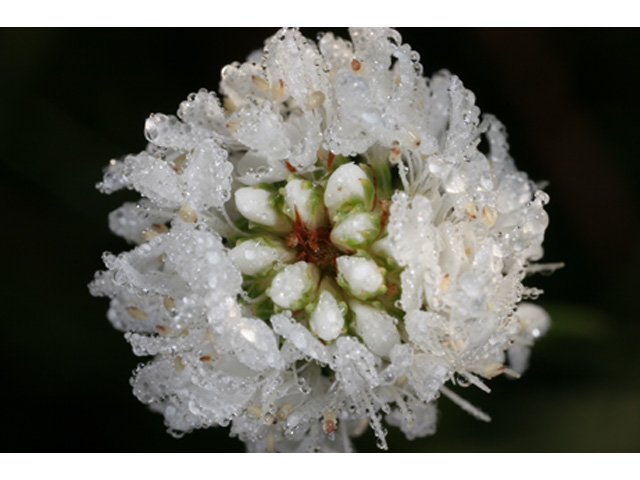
(260, 83)
(270, 446)
(465, 405)
(511, 373)
(269, 419)
(489, 215)
(228, 105)
(208, 358)
(492, 370)
(168, 303)
(137, 313)
(457, 344)
(162, 330)
(330, 422)
(178, 364)
(472, 211)
(188, 214)
(179, 162)
(254, 411)
(414, 137)
(284, 412)
(155, 230)
(277, 92)
(233, 125)
(445, 283)
(315, 99)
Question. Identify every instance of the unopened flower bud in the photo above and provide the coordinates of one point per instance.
(327, 318)
(295, 286)
(257, 205)
(349, 183)
(305, 198)
(256, 256)
(355, 231)
(361, 277)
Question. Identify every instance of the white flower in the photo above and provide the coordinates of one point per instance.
(326, 247)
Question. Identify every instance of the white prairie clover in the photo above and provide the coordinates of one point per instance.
(323, 249)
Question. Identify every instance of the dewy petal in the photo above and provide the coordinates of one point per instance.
(376, 327)
(254, 343)
(296, 62)
(207, 176)
(258, 127)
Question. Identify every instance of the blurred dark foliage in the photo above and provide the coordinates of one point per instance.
(72, 99)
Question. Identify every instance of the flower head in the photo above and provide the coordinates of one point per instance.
(323, 247)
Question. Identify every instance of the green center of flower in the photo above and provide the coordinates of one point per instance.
(317, 245)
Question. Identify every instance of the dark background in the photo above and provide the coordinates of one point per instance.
(71, 99)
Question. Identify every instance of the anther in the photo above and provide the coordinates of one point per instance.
(188, 214)
(162, 330)
(315, 99)
(284, 412)
(493, 370)
(269, 419)
(457, 344)
(254, 411)
(472, 211)
(414, 138)
(489, 215)
(445, 283)
(394, 154)
(149, 233)
(178, 364)
(155, 230)
(277, 92)
(208, 358)
(233, 125)
(228, 105)
(136, 313)
(260, 83)
(330, 422)
(168, 303)
(179, 162)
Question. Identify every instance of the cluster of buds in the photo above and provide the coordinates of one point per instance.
(319, 248)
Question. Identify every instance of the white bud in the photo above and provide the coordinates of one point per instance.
(376, 327)
(383, 248)
(349, 181)
(355, 231)
(256, 205)
(360, 276)
(294, 287)
(257, 255)
(327, 319)
(306, 198)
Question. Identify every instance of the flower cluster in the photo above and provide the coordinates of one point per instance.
(323, 248)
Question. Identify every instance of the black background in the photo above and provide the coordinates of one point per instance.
(71, 99)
